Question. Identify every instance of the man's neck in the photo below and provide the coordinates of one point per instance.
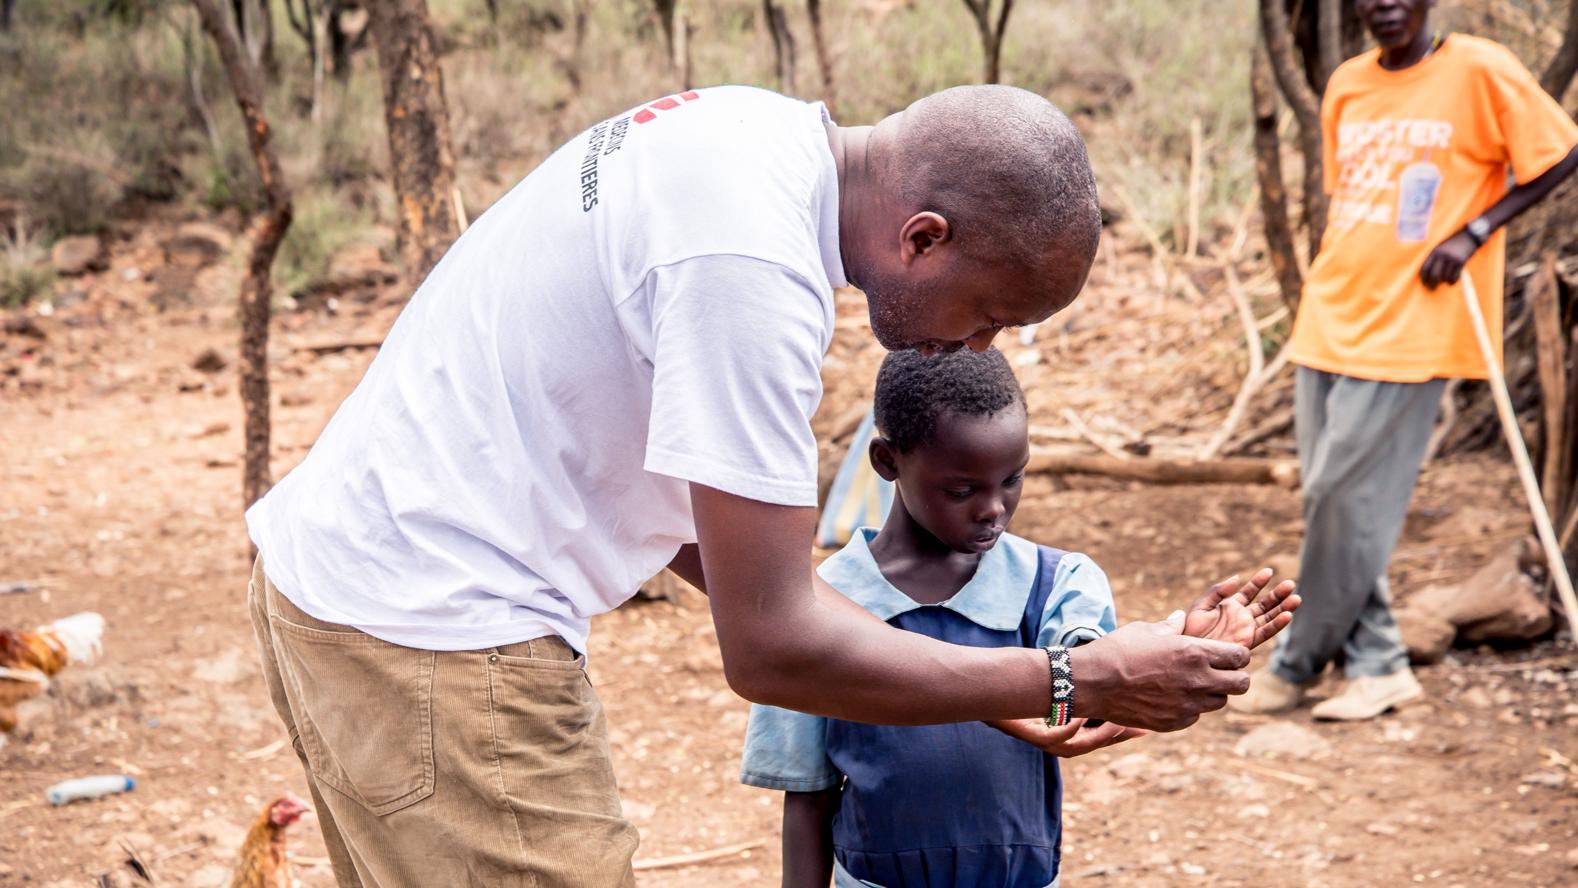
(852, 160)
(1412, 52)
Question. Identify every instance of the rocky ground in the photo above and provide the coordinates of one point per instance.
(119, 449)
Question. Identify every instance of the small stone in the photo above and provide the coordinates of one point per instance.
(1282, 738)
(20, 324)
(210, 360)
(196, 245)
(1572, 858)
(1132, 766)
(1477, 697)
(77, 255)
(1382, 828)
(1254, 812)
(1553, 779)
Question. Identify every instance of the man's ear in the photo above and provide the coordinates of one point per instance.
(883, 458)
(922, 233)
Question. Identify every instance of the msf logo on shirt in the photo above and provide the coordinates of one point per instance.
(609, 136)
(669, 103)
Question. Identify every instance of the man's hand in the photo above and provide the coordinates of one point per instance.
(1445, 263)
(1150, 676)
(1249, 616)
(1068, 741)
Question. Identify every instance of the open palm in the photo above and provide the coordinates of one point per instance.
(1247, 615)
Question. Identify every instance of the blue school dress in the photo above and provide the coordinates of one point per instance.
(940, 805)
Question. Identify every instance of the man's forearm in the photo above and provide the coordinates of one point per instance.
(834, 658)
(1522, 197)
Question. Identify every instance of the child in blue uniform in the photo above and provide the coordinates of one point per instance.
(955, 804)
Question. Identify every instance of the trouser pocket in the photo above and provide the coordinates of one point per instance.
(363, 707)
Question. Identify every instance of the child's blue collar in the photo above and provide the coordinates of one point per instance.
(993, 598)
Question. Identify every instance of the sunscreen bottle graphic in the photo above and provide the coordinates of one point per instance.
(1416, 197)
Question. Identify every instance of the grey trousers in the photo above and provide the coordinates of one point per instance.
(1360, 445)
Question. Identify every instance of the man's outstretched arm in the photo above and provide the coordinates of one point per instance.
(1445, 263)
(790, 640)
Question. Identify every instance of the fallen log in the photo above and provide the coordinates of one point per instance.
(1169, 471)
(339, 345)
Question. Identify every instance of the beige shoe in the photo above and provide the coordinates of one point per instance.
(1267, 694)
(1369, 696)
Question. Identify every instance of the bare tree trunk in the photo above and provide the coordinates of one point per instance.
(665, 15)
(5, 14)
(266, 233)
(307, 28)
(1306, 110)
(682, 31)
(194, 83)
(418, 122)
(1268, 170)
(1559, 73)
(991, 35)
(783, 44)
(1329, 27)
(1545, 300)
(824, 61)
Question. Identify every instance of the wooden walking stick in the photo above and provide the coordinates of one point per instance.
(1520, 458)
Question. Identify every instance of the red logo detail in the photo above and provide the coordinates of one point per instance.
(668, 103)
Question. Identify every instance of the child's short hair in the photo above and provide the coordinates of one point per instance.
(913, 390)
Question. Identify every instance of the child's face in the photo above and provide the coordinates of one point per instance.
(963, 486)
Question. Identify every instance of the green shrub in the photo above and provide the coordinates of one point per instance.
(25, 272)
(322, 225)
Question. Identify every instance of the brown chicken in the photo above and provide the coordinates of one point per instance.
(261, 863)
(29, 659)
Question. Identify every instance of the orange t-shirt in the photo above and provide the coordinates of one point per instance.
(1411, 157)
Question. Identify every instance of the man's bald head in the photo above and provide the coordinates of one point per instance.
(972, 210)
(1005, 167)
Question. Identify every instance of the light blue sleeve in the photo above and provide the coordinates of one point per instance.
(1080, 608)
(786, 750)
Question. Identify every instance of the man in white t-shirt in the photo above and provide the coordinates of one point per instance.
(619, 360)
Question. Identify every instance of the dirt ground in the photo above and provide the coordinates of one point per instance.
(120, 490)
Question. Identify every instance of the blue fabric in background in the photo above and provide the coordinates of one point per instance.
(859, 496)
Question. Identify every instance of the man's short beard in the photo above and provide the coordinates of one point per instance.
(892, 307)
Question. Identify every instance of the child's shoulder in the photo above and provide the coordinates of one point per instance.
(1065, 559)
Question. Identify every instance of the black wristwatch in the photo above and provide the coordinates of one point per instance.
(1478, 231)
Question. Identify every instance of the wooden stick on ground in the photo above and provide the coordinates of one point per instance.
(1192, 241)
(1255, 377)
(1168, 471)
(1520, 457)
(698, 856)
(1079, 426)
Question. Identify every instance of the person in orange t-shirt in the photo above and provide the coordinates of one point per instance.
(1419, 137)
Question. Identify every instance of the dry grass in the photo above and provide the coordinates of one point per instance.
(101, 109)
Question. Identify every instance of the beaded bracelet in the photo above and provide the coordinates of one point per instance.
(1062, 676)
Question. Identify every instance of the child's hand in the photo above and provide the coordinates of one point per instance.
(1068, 741)
(1248, 617)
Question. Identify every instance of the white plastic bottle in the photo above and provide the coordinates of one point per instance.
(94, 787)
(1416, 197)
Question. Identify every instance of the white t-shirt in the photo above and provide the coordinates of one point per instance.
(647, 308)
